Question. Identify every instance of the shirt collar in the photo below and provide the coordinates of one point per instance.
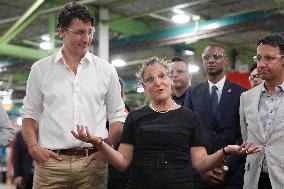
(278, 88)
(219, 84)
(60, 59)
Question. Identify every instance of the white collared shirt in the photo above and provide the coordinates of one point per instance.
(59, 100)
(219, 85)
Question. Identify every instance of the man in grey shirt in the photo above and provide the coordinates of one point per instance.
(6, 131)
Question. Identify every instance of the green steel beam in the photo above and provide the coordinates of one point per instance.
(125, 27)
(15, 28)
(7, 39)
(130, 27)
(23, 52)
(51, 30)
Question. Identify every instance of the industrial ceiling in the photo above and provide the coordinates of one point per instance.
(138, 29)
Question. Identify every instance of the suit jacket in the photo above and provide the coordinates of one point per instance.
(23, 162)
(272, 143)
(222, 130)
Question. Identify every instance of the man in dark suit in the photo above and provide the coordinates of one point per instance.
(23, 164)
(219, 111)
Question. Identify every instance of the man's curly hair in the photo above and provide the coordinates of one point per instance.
(72, 11)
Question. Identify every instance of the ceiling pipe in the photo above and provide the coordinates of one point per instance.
(189, 33)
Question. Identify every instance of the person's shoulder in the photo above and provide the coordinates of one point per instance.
(99, 61)
(253, 91)
(44, 61)
(138, 113)
(236, 86)
(198, 87)
(141, 110)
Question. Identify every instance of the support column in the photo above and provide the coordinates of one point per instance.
(103, 35)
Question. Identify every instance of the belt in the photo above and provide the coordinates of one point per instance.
(80, 152)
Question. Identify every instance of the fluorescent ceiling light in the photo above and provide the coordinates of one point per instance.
(3, 93)
(118, 62)
(178, 11)
(181, 18)
(45, 37)
(188, 52)
(6, 101)
(45, 45)
(193, 68)
(140, 90)
(212, 26)
(195, 17)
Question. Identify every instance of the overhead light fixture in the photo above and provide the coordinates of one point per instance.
(7, 104)
(181, 18)
(140, 90)
(45, 45)
(189, 52)
(195, 17)
(7, 101)
(3, 93)
(212, 26)
(118, 62)
(178, 11)
(193, 68)
(45, 37)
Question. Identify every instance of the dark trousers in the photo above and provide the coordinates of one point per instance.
(264, 181)
(28, 184)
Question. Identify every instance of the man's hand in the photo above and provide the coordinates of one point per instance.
(215, 176)
(18, 180)
(245, 149)
(42, 155)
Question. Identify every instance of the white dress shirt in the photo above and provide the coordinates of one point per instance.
(59, 100)
(219, 85)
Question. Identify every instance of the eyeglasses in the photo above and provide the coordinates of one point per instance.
(82, 33)
(254, 76)
(152, 79)
(215, 56)
(179, 71)
(266, 58)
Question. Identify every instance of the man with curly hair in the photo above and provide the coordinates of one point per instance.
(64, 90)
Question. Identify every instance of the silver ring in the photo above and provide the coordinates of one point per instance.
(247, 152)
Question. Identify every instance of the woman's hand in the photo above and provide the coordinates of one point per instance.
(245, 148)
(84, 135)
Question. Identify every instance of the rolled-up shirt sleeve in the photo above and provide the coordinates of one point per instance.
(114, 103)
(33, 101)
(6, 131)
